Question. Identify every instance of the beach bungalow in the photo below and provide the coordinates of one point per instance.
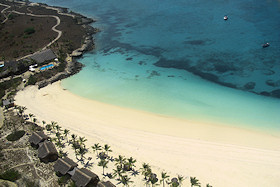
(47, 152)
(8, 103)
(43, 56)
(83, 177)
(36, 138)
(105, 184)
(64, 165)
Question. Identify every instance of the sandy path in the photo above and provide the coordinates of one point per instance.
(219, 155)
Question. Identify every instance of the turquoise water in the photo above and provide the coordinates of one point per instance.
(179, 58)
(46, 67)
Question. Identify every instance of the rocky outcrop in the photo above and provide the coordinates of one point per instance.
(71, 69)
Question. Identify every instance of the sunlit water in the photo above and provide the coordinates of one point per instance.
(148, 52)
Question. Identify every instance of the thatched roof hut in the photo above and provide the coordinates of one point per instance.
(43, 56)
(36, 138)
(63, 166)
(83, 177)
(47, 152)
(105, 184)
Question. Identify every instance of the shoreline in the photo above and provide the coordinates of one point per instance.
(166, 143)
(215, 154)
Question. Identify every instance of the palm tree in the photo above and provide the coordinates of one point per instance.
(96, 148)
(31, 115)
(208, 185)
(131, 162)
(120, 161)
(164, 177)
(75, 147)
(82, 151)
(44, 123)
(74, 137)
(194, 181)
(103, 163)
(125, 180)
(180, 179)
(35, 120)
(66, 132)
(57, 128)
(82, 140)
(48, 127)
(107, 148)
(118, 172)
(21, 110)
(53, 124)
(146, 170)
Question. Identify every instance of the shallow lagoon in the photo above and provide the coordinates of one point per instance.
(178, 36)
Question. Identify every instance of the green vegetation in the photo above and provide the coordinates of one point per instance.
(32, 80)
(61, 66)
(29, 30)
(11, 16)
(10, 175)
(10, 84)
(63, 180)
(15, 135)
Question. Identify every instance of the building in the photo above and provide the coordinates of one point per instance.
(83, 177)
(43, 56)
(8, 103)
(63, 166)
(36, 138)
(47, 152)
(105, 184)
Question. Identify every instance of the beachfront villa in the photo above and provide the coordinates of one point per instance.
(64, 165)
(36, 138)
(83, 177)
(43, 56)
(47, 152)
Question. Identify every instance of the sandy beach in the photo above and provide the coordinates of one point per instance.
(216, 154)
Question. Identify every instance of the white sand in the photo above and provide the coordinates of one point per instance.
(219, 155)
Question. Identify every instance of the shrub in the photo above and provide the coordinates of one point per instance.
(61, 67)
(29, 30)
(11, 16)
(15, 135)
(63, 179)
(10, 84)
(10, 175)
(32, 80)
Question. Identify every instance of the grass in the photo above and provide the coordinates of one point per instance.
(10, 175)
(15, 135)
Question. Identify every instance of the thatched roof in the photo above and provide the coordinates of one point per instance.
(83, 177)
(37, 137)
(46, 149)
(105, 184)
(64, 165)
(7, 102)
(43, 56)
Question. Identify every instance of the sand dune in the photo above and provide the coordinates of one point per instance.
(215, 154)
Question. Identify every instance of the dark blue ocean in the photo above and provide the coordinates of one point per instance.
(181, 58)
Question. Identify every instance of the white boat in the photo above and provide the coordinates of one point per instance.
(225, 18)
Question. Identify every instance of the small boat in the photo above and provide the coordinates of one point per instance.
(225, 18)
(265, 45)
